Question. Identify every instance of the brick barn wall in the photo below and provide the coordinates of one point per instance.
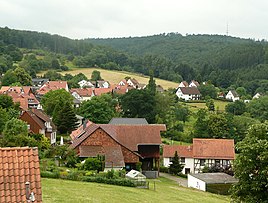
(101, 138)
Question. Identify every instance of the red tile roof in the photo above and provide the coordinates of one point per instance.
(183, 151)
(213, 148)
(84, 92)
(79, 130)
(19, 165)
(100, 91)
(22, 95)
(52, 85)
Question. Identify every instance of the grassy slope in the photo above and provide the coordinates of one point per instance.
(64, 191)
(114, 77)
(219, 105)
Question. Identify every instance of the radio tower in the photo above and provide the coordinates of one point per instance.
(227, 31)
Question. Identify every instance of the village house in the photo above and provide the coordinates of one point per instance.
(52, 85)
(188, 93)
(83, 94)
(256, 96)
(183, 84)
(20, 179)
(194, 83)
(123, 83)
(132, 82)
(102, 84)
(39, 82)
(123, 145)
(84, 83)
(39, 123)
(232, 95)
(203, 152)
(22, 95)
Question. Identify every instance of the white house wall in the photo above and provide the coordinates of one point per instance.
(189, 163)
(196, 183)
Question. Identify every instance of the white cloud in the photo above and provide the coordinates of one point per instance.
(117, 18)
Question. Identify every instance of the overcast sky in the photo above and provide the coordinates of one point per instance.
(79, 19)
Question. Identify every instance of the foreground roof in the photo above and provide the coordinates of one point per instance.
(19, 165)
(215, 178)
(213, 148)
(128, 121)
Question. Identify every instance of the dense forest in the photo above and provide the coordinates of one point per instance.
(227, 62)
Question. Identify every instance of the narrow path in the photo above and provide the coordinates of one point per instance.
(179, 180)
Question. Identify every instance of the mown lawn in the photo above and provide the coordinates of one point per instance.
(114, 77)
(55, 190)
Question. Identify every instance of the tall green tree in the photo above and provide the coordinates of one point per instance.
(250, 166)
(95, 75)
(23, 77)
(64, 117)
(100, 109)
(152, 86)
(138, 104)
(6, 101)
(175, 168)
(237, 108)
(258, 108)
(53, 98)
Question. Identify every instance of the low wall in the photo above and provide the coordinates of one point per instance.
(150, 174)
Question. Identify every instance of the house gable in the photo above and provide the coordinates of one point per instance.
(100, 138)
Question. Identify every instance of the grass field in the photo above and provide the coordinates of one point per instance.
(219, 105)
(114, 77)
(55, 190)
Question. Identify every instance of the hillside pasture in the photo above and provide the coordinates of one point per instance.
(114, 77)
(219, 105)
(55, 190)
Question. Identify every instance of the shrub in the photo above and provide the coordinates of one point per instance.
(163, 169)
(92, 164)
(119, 181)
(138, 166)
(49, 174)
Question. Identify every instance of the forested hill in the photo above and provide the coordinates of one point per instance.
(222, 51)
(226, 61)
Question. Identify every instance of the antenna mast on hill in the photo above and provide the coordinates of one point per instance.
(227, 31)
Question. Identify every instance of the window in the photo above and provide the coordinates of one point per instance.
(182, 160)
(202, 162)
(217, 162)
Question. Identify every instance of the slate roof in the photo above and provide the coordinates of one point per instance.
(19, 165)
(183, 151)
(213, 148)
(128, 121)
(189, 90)
(215, 178)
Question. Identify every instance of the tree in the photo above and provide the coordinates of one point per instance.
(152, 86)
(258, 108)
(95, 75)
(6, 101)
(138, 104)
(250, 166)
(3, 119)
(210, 104)
(9, 78)
(23, 77)
(64, 117)
(53, 98)
(208, 90)
(237, 108)
(218, 126)
(175, 168)
(100, 109)
(201, 124)
(53, 75)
